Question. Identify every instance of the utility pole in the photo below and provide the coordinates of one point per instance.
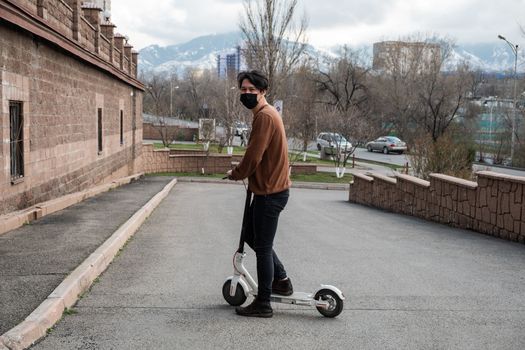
(171, 94)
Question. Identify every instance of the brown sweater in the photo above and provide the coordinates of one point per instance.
(265, 161)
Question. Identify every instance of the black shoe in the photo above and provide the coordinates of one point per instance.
(256, 309)
(282, 287)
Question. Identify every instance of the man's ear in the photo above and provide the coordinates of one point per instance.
(263, 92)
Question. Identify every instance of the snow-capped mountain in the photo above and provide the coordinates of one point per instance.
(488, 57)
(202, 53)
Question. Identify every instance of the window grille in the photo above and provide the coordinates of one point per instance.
(99, 128)
(16, 142)
(121, 127)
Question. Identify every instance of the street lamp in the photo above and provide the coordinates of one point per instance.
(514, 48)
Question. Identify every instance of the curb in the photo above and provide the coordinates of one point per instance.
(36, 325)
(17, 219)
(295, 184)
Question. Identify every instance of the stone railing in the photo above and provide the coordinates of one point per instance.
(87, 35)
(165, 160)
(105, 48)
(82, 24)
(193, 161)
(494, 205)
(60, 16)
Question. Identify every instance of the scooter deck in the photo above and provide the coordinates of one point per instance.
(295, 298)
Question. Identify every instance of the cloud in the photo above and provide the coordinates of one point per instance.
(167, 22)
(330, 21)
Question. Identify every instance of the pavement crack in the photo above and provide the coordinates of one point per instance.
(36, 274)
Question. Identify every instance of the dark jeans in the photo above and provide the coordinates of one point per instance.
(259, 234)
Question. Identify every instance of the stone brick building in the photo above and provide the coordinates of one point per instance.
(71, 105)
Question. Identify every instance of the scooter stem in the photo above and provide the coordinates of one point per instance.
(245, 219)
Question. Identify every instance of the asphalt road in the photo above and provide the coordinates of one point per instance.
(410, 284)
(391, 158)
(362, 153)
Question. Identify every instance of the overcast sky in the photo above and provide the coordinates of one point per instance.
(331, 22)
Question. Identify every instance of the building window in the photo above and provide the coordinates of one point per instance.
(99, 128)
(121, 127)
(16, 142)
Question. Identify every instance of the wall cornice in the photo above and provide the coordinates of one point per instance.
(23, 19)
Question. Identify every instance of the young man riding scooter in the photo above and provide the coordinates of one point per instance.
(265, 164)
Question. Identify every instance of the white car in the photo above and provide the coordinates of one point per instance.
(329, 141)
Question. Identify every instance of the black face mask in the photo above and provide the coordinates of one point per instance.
(249, 100)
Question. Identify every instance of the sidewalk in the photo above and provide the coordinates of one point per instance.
(36, 258)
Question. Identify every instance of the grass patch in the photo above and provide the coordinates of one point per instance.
(68, 311)
(322, 177)
(214, 148)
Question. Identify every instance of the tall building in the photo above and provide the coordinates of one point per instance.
(229, 65)
(401, 56)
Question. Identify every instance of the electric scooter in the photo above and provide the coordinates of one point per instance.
(328, 300)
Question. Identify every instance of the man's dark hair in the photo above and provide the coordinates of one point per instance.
(257, 78)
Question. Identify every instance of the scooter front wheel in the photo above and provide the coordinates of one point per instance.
(335, 304)
(238, 299)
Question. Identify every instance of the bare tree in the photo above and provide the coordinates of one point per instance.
(224, 102)
(274, 41)
(448, 155)
(441, 96)
(301, 112)
(156, 98)
(167, 133)
(344, 99)
(403, 65)
(190, 99)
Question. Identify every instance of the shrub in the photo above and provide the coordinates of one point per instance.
(444, 156)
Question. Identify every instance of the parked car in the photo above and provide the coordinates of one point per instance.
(240, 128)
(330, 141)
(387, 144)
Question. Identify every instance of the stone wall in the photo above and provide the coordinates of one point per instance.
(60, 89)
(304, 169)
(493, 205)
(167, 161)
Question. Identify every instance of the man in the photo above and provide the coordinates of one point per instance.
(265, 164)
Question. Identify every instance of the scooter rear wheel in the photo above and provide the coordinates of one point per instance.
(335, 306)
(238, 299)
